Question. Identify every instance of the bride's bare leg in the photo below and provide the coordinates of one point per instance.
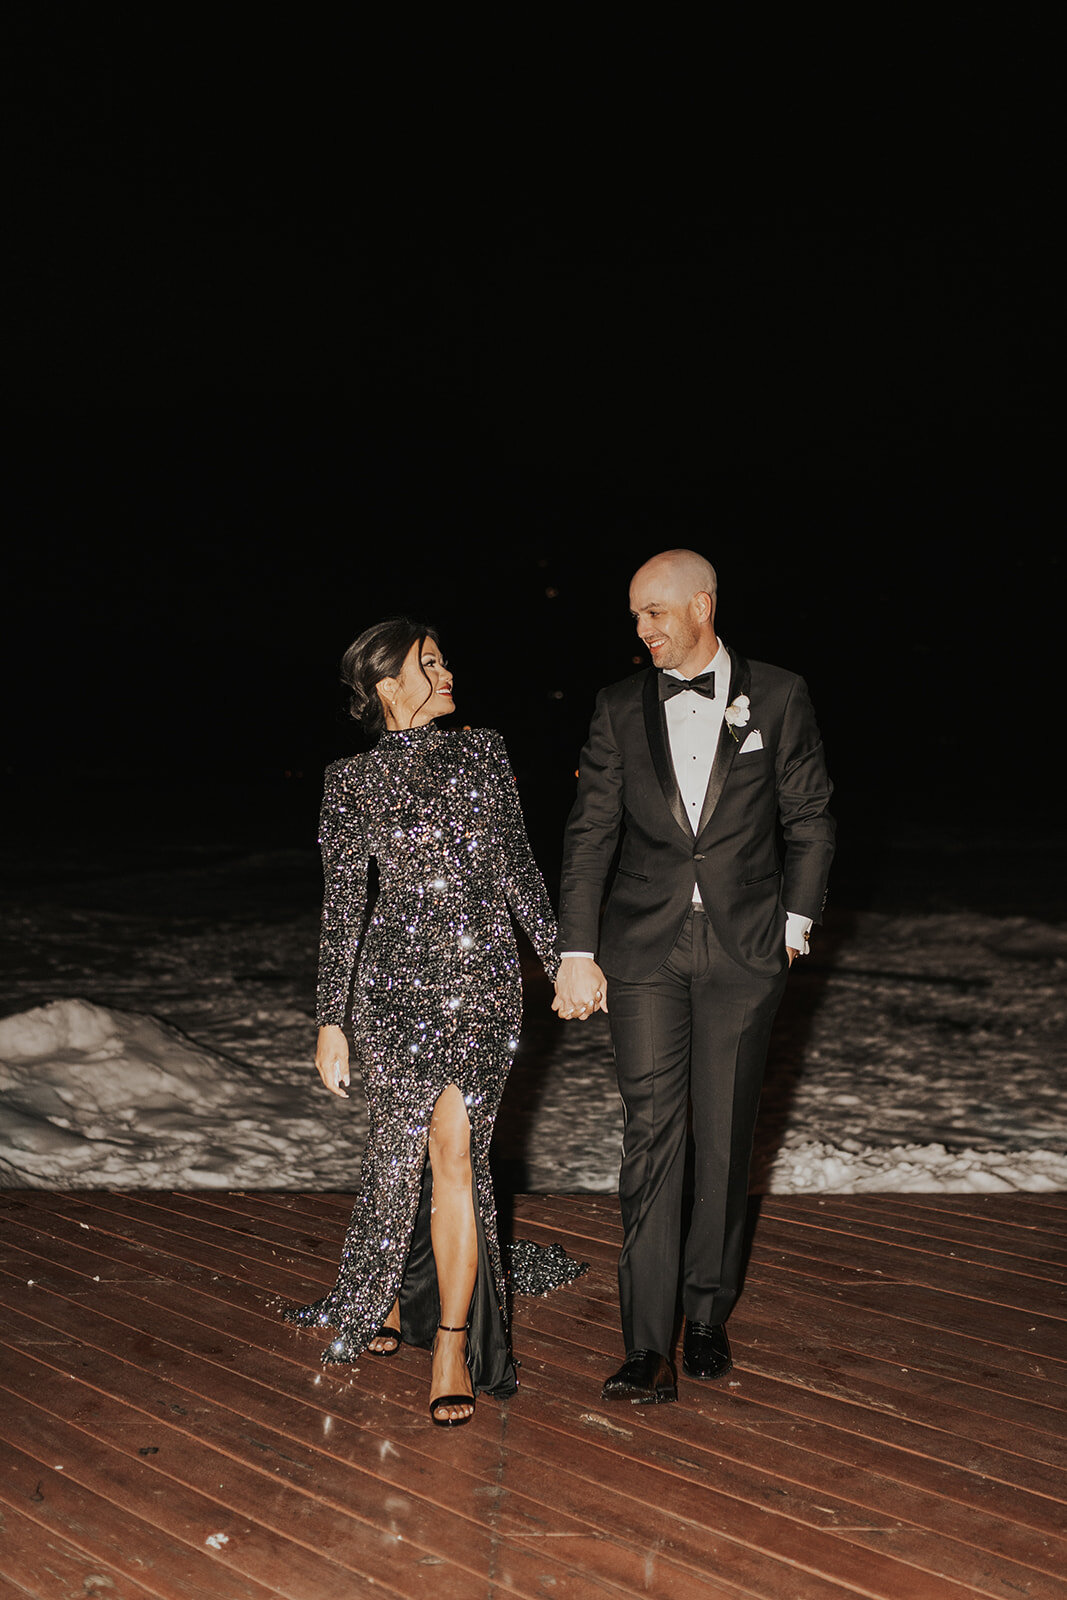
(454, 1236)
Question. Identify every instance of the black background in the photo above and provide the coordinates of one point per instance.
(305, 327)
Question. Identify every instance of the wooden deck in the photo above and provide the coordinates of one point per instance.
(895, 1426)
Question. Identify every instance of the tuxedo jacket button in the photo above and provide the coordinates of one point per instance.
(698, 858)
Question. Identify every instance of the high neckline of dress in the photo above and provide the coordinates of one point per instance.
(410, 738)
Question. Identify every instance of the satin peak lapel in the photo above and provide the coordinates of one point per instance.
(727, 747)
(656, 730)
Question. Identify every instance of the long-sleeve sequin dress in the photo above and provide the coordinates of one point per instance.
(437, 1000)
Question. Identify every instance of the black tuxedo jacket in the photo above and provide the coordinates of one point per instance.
(763, 845)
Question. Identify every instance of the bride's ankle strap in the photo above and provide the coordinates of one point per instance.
(442, 1328)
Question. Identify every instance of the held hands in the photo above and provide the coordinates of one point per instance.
(331, 1059)
(581, 989)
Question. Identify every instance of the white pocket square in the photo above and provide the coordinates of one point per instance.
(753, 742)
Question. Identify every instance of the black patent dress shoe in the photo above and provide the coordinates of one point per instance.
(705, 1350)
(645, 1379)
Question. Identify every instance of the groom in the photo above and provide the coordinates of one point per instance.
(697, 766)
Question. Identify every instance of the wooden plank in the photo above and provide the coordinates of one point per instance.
(556, 1298)
(186, 1236)
(859, 1363)
(590, 1225)
(807, 1309)
(1010, 1327)
(301, 1465)
(793, 1462)
(395, 1440)
(934, 1239)
(37, 1562)
(909, 1263)
(250, 1546)
(905, 1449)
(172, 1253)
(818, 1469)
(782, 1362)
(182, 1257)
(299, 1236)
(898, 1213)
(314, 1215)
(1027, 1212)
(553, 1476)
(398, 1434)
(803, 1310)
(123, 1539)
(778, 1537)
(10, 1591)
(814, 1306)
(764, 1509)
(546, 1229)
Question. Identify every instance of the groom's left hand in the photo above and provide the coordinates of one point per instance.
(581, 989)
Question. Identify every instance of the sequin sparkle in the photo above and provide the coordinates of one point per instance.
(436, 997)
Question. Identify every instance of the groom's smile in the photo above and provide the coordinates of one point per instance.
(675, 625)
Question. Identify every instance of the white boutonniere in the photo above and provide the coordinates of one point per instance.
(737, 713)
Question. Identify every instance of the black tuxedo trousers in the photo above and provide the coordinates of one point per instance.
(695, 1034)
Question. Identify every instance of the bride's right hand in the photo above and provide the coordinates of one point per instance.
(331, 1060)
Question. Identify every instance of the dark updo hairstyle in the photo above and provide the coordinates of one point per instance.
(380, 652)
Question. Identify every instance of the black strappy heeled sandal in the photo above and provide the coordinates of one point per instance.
(386, 1331)
(445, 1400)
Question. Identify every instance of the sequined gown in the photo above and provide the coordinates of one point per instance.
(437, 1000)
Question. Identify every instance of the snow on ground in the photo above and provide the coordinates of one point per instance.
(157, 1031)
(92, 1096)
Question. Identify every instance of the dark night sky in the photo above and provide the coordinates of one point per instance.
(302, 335)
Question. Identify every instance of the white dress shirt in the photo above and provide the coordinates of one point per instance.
(693, 726)
(694, 723)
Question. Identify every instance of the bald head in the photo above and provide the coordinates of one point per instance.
(672, 601)
(686, 572)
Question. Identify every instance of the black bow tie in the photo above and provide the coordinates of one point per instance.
(704, 684)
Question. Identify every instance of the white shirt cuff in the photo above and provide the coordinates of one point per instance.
(588, 954)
